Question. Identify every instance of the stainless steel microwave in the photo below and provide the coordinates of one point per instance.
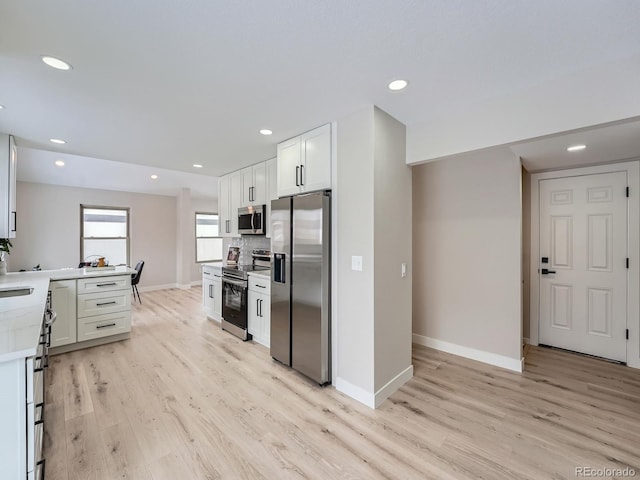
(251, 220)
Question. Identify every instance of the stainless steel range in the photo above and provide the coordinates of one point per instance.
(234, 293)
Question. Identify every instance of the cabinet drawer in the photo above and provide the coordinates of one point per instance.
(260, 284)
(91, 304)
(104, 284)
(104, 325)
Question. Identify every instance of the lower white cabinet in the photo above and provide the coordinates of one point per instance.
(63, 301)
(89, 309)
(212, 291)
(259, 308)
(22, 404)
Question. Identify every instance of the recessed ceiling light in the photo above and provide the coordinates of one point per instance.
(398, 85)
(154, 176)
(1, 107)
(59, 163)
(57, 141)
(56, 63)
(576, 148)
(266, 131)
(197, 165)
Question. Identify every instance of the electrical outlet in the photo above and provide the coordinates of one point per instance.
(356, 263)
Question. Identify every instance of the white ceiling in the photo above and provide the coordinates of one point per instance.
(39, 166)
(167, 84)
(606, 143)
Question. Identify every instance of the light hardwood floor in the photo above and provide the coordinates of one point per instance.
(184, 400)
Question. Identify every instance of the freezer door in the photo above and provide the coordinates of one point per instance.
(310, 317)
(280, 344)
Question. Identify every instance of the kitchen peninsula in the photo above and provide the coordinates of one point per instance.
(27, 329)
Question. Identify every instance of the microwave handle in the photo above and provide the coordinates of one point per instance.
(253, 216)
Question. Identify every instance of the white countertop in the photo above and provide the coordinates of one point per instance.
(261, 273)
(21, 317)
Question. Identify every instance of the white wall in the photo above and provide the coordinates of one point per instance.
(355, 237)
(467, 256)
(392, 246)
(49, 229)
(589, 97)
(374, 222)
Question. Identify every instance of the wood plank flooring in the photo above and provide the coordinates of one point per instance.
(184, 400)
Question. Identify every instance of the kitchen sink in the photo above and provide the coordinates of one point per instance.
(15, 291)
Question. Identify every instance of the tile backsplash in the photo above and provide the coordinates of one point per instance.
(247, 244)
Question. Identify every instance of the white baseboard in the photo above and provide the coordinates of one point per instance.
(374, 400)
(526, 341)
(151, 288)
(355, 392)
(186, 286)
(393, 385)
(509, 363)
(196, 283)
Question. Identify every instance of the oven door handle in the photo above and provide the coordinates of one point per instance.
(237, 283)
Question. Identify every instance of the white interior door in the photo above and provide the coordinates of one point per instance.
(583, 271)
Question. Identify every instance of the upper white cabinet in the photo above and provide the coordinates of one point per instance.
(272, 191)
(229, 200)
(304, 162)
(254, 185)
(8, 166)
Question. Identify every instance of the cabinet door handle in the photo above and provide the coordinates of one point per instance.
(211, 291)
(107, 325)
(15, 221)
(106, 284)
(297, 173)
(301, 175)
(106, 303)
(228, 227)
(257, 307)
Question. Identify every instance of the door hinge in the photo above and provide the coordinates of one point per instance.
(627, 334)
(627, 262)
(627, 192)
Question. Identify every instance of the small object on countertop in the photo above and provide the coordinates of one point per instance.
(101, 262)
(36, 268)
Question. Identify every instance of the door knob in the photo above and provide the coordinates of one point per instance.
(546, 271)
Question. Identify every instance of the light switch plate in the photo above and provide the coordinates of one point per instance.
(356, 263)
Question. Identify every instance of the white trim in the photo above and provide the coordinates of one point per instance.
(334, 252)
(151, 288)
(355, 392)
(393, 385)
(196, 283)
(184, 287)
(526, 341)
(513, 364)
(632, 167)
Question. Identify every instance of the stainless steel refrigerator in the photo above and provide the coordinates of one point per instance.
(301, 284)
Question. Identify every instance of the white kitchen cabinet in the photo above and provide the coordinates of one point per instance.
(272, 191)
(229, 200)
(22, 405)
(224, 206)
(8, 168)
(212, 291)
(254, 185)
(63, 301)
(259, 308)
(304, 162)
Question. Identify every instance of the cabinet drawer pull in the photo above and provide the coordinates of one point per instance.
(106, 284)
(205, 273)
(42, 462)
(261, 286)
(107, 325)
(106, 303)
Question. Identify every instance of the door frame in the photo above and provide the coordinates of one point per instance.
(632, 168)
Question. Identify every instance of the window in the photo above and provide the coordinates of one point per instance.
(104, 233)
(208, 240)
